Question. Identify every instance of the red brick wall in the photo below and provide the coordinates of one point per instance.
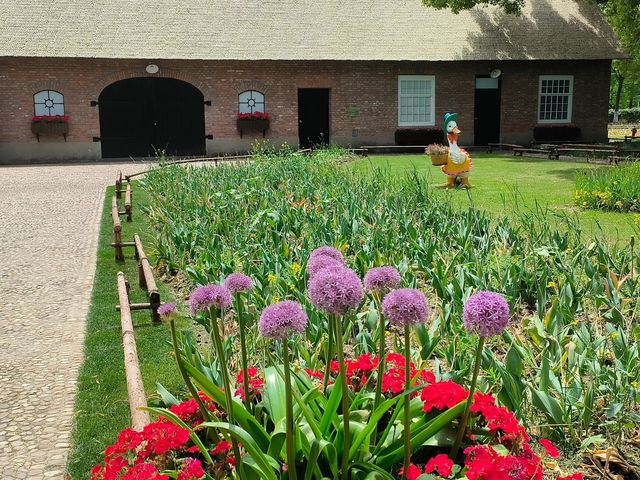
(369, 86)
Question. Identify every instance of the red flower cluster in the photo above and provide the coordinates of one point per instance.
(485, 463)
(360, 370)
(256, 384)
(441, 464)
(442, 395)
(253, 116)
(51, 118)
(189, 412)
(162, 445)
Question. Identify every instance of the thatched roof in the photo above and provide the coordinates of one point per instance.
(301, 30)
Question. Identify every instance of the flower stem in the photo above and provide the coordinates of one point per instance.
(291, 452)
(407, 400)
(381, 337)
(217, 341)
(465, 416)
(243, 350)
(327, 364)
(345, 399)
(194, 393)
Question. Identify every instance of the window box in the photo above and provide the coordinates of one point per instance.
(556, 133)
(50, 125)
(419, 136)
(253, 122)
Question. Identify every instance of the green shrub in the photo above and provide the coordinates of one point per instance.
(629, 115)
(610, 188)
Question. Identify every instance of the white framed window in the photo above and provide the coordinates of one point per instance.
(251, 101)
(416, 100)
(555, 98)
(48, 102)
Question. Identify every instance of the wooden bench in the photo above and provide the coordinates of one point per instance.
(631, 138)
(395, 148)
(589, 152)
(502, 146)
(551, 153)
(617, 159)
(135, 387)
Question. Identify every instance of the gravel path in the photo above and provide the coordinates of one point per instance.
(49, 222)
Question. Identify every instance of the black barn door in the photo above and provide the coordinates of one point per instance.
(142, 116)
(313, 117)
(487, 110)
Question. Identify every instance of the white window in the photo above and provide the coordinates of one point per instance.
(48, 102)
(556, 98)
(250, 101)
(416, 100)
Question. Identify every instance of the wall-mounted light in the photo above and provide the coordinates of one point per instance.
(152, 68)
(495, 73)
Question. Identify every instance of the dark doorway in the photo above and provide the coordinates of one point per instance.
(487, 110)
(313, 117)
(142, 116)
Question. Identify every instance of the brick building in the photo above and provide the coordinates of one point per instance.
(134, 76)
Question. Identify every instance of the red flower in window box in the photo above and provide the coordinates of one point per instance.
(253, 116)
(50, 125)
(50, 119)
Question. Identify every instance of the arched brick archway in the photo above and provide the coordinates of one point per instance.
(142, 116)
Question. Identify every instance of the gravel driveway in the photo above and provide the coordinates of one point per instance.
(49, 221)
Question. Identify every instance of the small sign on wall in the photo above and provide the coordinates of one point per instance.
(353, 111)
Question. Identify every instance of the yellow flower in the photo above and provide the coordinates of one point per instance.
(275, 299)
(345, 246)
(292, 287)
(584, 204)
(296, 268)
(569, 251)
(551, 284)
(272, 278)
(619, 204)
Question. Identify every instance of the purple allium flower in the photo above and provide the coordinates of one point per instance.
(320, 262)
(327, 252)
(209, 296)
(381, 279)
(167, 311)
(486, 314)
(335, 290)
(238, 282)
(406, 306)
(279, 319)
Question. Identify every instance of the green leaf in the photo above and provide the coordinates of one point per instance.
(167, 398)
(548, 405)
(265, 462)
(330, 413)
(274, 395)
(371, 425)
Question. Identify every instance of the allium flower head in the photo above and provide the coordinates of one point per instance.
(209, 296)
(486, 314)
(406, 306)
(335, 290)
(327, 252)
(320, 262)
(167, 311)
(279, 319)
(381, 279)
(238, 282)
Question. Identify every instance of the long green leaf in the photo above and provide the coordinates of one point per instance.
(266, 463)
(371, 425)
(330, 413)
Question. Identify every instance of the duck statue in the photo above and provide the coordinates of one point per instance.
(459, 162)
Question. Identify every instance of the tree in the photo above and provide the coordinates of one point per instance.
(456, 6)
(624, 17)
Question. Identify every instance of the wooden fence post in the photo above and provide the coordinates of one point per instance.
(135, 387)
(117, 229)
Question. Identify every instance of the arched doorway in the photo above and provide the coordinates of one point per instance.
(142, 116)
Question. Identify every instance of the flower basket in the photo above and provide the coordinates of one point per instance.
(252, 122)
(56, 125)
(439, 159)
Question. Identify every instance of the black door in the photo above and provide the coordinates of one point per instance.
(313, 117)
(487, 110)
(142, 116)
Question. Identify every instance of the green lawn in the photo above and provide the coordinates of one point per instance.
(102, 407)
(500, 183)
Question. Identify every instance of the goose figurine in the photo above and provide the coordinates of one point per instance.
(459, 163)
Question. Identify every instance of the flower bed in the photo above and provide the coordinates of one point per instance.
(616, 188)
(356, 419)
(566, 295)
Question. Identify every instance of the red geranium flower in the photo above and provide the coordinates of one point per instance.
(191, 470)
(573, 476)
(549, 447)
(440, 463)
(441, 395)
(413, 472)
